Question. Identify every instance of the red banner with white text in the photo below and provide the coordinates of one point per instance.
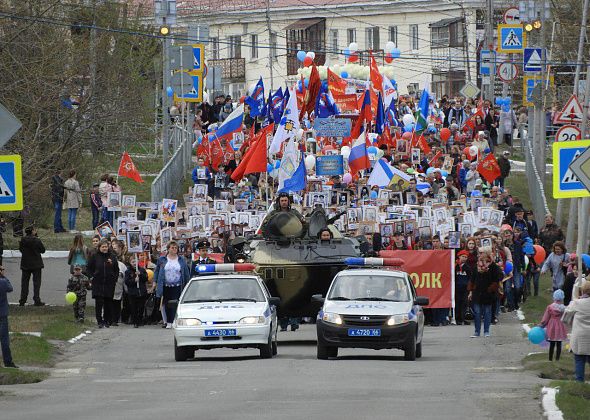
(432, 272)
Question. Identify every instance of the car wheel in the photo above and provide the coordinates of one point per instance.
(419, 350)
(410, 349)
(181, 354)
(325, 352)
(266, 351)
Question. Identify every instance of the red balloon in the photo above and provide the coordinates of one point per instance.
(407, 135)
(468, 153)
(307, 61)
(242, 99)
(388, 58)
(353, 58)
(540, 254)
(445, 134)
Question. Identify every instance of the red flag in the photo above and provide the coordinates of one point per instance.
(336, 84)
(256, 156)
(313, 89)
(203, 150)
(376, 77)
(435, 158)
(421, 143)
(489, 168)
(128, 169)
(470, 123)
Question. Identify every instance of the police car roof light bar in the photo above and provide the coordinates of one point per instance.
(389, 262)
(225, 268)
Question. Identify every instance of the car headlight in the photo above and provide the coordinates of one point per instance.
(398, 319)
(188, 322)
(332, 318)
(252, 320)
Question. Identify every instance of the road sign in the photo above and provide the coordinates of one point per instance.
(533, 60)
(194, 91)
(181, 57)
(507, 71)
(566, 183)
(487, 63)
(571, 112)
(11, 183)
(199, 57)
(512, 16)
(511, 39)
(581, 168)
(470, 90)
(529, 82)
(568, 133)
(9, 124)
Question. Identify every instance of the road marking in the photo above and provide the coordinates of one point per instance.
(498, 369)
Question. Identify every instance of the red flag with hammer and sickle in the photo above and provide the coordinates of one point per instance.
(128, 169)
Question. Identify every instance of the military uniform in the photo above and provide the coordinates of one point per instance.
(200, 260)
(79, 285)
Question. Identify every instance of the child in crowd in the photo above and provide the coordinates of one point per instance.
(79, 284)
(462, 275)
(555, 328)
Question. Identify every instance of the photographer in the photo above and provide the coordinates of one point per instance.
(31, 263)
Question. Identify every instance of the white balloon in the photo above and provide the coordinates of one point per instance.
(473, 150)
(311, 55)
(353, 47)
(389, 46)
(408, 119)
(345, 152)
(309, 162)
(300, 133)
(380, 153)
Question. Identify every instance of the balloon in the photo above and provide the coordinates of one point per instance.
(499, 100)
(347, 178)
(473, 151)
(311, 55)
(407, 136)
(586, 259)
(309, 162)
(430, 171)
(344, 75)
(71, 297)
(242, 99)
(301, 55)
(306, 83)
(540, 254)
(345, 151)
(388, 58)
(505, 227)
(508, 100)
(380, 153)
(372, 150)
(444, 173)
(408, 119)
(508, 267)
(277, 164)
(476, 193)
(373, 195)
(307, 61)
(536, 335)
(169, 91)
(409, 128)
(354, 57)
(396, 53)
(346, 53)
(389, 46)
(353, 47)
(150, 274)
(410, 171)
(506, 108)
(269, 167)
(445, 134)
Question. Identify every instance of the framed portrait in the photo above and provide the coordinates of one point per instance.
(122, 225)
(366, 228)
(462, 202)
(415, 156)
(220, 205)
(165, 236)
(182, 218)
(455, 239)
(440, 215)
(411, 198)
(469, 217)
(354, 215)
(200, 191)
(255, 220)
(490, 202)
(238, 230)
(134, 241)
(476, 202)
(424, 233)
(429, 202)
(318, 198)
(384, 194)
(466, 230)
(402, 147)
(141, 214)
(484, 214)
(364, 192)
(399, 226)
(146, 230)
(395, 198)
(424, 221)
(447, 164)
(456, 211)
(386, 230)
(128, 201)
(244, 218)
(343, 198)
(168, 212)
(240, 204)
(114, 201)
(143, 204)
(197, 223)
(370, 213)
(105, 230)
(409, 227)
(146, 242)
(496, 217)
(154, 225)
(486, 241)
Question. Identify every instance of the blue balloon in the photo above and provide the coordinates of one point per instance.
(372, 150)
(487, 150)
(396, 53)
(269, 167)
(306, 82)
(169, 91)
(508, 267)
(346, 53)
(586, 259)
(339, 142)
(408, 128)
(508, 100)
(277, 164)
(429, 170)
(476, 193)
(344, 74)
(444, 173)
(499, 100)
(301, 55)
(536, 335)
(373, 195)
(506, 108)
(299, 85)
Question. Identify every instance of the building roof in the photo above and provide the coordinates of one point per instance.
(446, 22)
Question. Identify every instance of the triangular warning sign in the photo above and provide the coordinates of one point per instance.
(534, 60)
(512, 40)
(4, 190)
(569, 177)
(572, 112)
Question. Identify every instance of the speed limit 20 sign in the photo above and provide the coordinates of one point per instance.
(507, 71)
(568, 133)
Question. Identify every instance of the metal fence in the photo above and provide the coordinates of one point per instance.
(171, 178)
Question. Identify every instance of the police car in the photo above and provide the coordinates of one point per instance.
(232, 310)
(374, 308)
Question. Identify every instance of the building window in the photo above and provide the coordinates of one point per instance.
(334, 41)
(414, 37)
(393, 34)
(235, 46)
(439, 37)
(351, 35)
(456, 34)
(254, 46)
(273, 45)
(372, 38)
(214, 45)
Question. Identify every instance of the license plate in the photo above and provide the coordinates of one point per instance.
(364, 332)
(220, 333)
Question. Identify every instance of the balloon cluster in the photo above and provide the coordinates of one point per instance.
(306, 58)
(504, 103)
(391, 52)
(351, 53)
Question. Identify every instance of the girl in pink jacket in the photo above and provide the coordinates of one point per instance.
(554, 326)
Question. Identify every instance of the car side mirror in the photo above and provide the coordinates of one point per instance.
(275, 301)
(317, 298)
(172, 304)
(421, 300)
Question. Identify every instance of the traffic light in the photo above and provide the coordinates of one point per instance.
(164, 30)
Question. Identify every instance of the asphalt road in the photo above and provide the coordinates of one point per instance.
(131, 374)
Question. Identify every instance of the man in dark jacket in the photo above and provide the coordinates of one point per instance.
(57, 197)
(31, 262)
(504, 164)
(5, 288)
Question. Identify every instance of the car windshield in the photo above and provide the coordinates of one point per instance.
(226, 289)
(370, 287)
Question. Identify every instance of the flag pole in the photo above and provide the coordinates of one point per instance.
(266, 176)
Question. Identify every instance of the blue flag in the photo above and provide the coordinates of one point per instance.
(391, 116)
(267, 112)
(422, 118)
(325, 106)
(277, 107)
(380, 118)
(297, 181)
(256, 100)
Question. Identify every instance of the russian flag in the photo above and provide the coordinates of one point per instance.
(359, 159)
(231, 125)
(365, 112)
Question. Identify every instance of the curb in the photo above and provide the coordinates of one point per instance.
(79, 337)
(11, 253)
(550, 408)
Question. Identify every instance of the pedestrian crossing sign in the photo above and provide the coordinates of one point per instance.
(511, 39)
(11, 183)
(199, 57)
(565, 183)
(194, 94)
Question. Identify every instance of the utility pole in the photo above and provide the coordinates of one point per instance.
(270, 49)
(489, 40)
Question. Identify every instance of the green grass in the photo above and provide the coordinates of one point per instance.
(54, 322)
(31, 351)
(19, 376)
(534, 307)
(573, 399)
(562, 369)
